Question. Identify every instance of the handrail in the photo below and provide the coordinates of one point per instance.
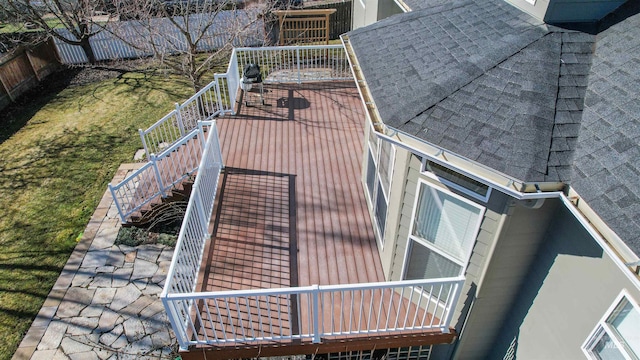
(315, 311)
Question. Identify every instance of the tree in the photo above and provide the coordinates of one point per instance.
(71, 21)
(191, 37)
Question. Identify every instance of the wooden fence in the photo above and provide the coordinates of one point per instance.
(24, 68)
(340, 21)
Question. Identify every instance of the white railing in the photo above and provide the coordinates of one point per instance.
(286, 64)
(158, 176)
(185, 265)
(312, 312)
(207, 103)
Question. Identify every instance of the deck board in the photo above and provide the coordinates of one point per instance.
(312, 133)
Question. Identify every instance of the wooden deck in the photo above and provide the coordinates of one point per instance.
(291, 209)
(291, 212)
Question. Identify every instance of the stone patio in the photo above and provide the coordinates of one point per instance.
(105, 304)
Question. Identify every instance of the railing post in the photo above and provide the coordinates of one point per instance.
(218, 149)
(451, 306)
(152, 159)
(218, 95)
(179, 120)
(201, 135)
(298, 63)
(180, 332)
(115, 201)
(316, 316)
(144, 142)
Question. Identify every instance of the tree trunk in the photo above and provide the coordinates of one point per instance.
(88, 50)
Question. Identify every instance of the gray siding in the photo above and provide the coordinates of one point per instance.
(489, 228)
(521, 234)
(567, 290)
(387, 8)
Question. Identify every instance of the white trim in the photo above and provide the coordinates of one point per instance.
(602, 327)
(532, 2)
(463, 263)
(453, 185)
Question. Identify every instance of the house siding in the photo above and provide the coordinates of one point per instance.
(570, 266)
(520, 234)
(489, 228)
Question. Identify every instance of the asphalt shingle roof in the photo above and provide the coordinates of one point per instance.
(491, 83)
(606, 169)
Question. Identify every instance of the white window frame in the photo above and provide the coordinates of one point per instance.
(603, 327)
(455, 186)
(463, 263)
(372, 196)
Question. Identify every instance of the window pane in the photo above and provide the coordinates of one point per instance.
(373, 140)
(605, 349)
(384, 165)
(446, 221)
(371, 176)
(625, 320)
(426, 264)
(381, 212)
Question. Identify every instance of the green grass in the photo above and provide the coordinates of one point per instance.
(57, 155)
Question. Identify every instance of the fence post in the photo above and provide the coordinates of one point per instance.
(152, 159)
(173, 316)
(115, 201)
(316, 316)
(144, 142)
(179, 120)
(298, 63)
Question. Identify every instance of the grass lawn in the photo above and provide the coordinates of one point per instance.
(58, 151)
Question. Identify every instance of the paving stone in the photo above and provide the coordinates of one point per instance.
(152, 289)
(103, 354)
(43, 354)
(88, 355)
(72, 346)
(53, 335)
(137, 306)
(141, 283)
(103, 296)
(152, 310)
(161, 338)
(93, 310)
(81, 325)
(116, 257)
(106, 268)
(133, 328)
(125, 296)
(108, 321)
(140, 347)
(74, 301)
(143, 269)
(105, 237)
(149, 252)
(120, 342)
(94, 259)
(101, 280)
(108, 338)
(44, 316)
(82, 278)
(60, 355)
(121, 277)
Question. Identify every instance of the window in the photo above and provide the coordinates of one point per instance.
(443, 232)
(616, 336)
(379, 171)
(457, 181)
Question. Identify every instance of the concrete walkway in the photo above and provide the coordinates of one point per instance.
(105, 304)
